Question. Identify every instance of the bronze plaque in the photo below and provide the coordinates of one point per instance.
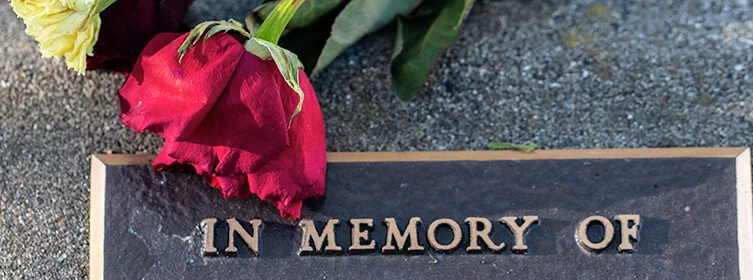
(568, 214)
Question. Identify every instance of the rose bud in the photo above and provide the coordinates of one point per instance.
(93, 34)
(243, 116)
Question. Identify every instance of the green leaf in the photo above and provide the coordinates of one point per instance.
(358, 18)
(310, 12)
(399, 40)
(527, 147)
(421, 40)
(286, 61)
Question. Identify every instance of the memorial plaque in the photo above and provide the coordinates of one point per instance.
(569, 214)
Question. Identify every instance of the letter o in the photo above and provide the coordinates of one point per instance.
(456, 233)
(582, 234)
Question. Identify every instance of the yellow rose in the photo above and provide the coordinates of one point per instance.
(63, 28)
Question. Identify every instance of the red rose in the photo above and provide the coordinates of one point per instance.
(224, 112)
(128, 25)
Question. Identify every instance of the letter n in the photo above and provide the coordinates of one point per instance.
(251, 241)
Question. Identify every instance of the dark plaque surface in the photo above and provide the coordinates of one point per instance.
(694, 207)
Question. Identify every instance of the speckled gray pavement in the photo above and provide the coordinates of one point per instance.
(564, 74)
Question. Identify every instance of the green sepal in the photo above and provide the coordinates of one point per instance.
(201, 31)
(286, 61)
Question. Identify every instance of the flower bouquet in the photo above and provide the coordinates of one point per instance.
(231, 99)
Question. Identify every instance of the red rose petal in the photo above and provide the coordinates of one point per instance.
(249, 114)
(226, 116)
(297, 173)
(171, 98)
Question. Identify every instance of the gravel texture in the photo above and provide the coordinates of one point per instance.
(564, 74)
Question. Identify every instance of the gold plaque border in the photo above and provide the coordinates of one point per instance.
(742, 156)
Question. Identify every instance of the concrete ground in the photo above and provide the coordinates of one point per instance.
(563, 74)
